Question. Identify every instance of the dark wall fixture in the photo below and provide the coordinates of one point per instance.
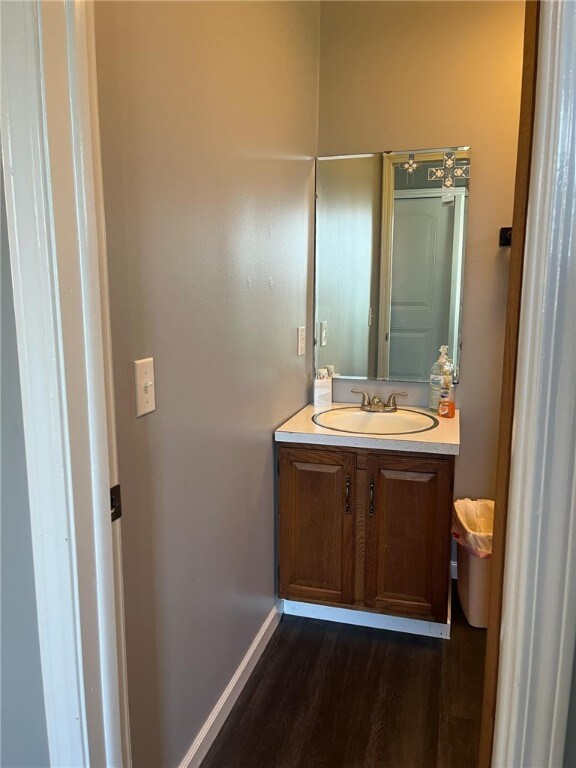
(505, 237)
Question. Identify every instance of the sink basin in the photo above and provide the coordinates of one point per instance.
(353, 419)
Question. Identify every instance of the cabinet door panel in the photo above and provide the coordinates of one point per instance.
(409, 536)
(316, 525)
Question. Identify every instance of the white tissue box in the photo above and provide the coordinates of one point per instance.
(322, 391)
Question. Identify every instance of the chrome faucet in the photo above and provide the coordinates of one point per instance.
(391, 406)
(366, 402)
(376, 404)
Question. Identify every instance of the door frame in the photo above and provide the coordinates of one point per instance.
(519, 222)
(51, 164)
(532, 620)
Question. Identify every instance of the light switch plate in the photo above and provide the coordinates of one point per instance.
(323, 325)
(144, 386)
(301, 340)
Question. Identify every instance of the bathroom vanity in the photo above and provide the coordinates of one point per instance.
(364, 519)
(365, 492)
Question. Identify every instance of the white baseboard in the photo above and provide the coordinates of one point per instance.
(216, 718)
(367, 619)
(453, 569)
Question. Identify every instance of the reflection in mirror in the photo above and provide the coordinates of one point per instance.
(390, 231)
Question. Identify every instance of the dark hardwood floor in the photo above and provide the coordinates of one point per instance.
(336, 696)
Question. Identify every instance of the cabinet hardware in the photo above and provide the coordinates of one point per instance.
(347, 499)
(371, 508)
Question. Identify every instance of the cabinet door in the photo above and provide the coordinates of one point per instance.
(408, 535)
(316, 527)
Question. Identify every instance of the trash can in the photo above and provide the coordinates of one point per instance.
(472, 525)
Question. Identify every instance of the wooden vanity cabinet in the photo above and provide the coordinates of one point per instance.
(408, 535)
(365, 529)
(316, 525)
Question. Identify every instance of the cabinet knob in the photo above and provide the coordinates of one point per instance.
(347, 496)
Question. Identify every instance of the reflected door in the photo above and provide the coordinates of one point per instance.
(421, 276)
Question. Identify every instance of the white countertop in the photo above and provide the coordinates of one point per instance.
(443, 439)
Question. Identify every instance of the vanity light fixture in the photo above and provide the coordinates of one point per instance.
(410, 165)
(449, 171)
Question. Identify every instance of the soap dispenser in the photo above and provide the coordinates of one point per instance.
(441, 376)
(447, 405)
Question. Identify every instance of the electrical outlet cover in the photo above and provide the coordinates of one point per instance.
(301, 340)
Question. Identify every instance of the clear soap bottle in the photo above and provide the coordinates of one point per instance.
(441, 376)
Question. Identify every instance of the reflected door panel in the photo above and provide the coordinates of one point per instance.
(421, 275)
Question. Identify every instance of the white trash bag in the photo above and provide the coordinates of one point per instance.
(472, 525)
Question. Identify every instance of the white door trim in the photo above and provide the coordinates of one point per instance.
(539, 600)
(457, 280)
(49, 179)
(98, 191)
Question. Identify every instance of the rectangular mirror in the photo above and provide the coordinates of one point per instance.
(390, 234)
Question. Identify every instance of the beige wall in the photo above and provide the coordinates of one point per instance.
(409, 75)
(209, 118)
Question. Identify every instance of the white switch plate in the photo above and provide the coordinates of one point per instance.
(301, 340)
(145, 386)
(323, 325)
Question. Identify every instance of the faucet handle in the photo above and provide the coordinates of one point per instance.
(365, 397)
(391, 402)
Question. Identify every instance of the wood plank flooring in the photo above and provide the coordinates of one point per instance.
(336, 696)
